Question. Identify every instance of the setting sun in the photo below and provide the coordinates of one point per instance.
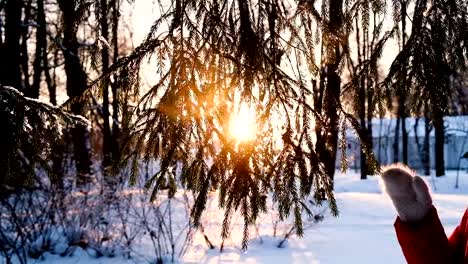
(242, 125)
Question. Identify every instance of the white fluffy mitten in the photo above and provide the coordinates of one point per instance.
(409, 193)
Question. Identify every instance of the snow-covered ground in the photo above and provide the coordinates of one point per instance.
(363, 233)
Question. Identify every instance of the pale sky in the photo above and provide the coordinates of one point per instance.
(146, 11)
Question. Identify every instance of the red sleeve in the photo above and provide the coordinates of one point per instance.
(457, 240)
(424, 242)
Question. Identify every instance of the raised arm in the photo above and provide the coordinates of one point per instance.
(418, 228)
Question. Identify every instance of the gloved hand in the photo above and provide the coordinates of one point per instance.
(409, 193)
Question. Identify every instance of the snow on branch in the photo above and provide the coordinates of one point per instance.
(11, 94)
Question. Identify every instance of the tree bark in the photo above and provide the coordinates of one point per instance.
(106, 133)
(426, 147)
(41, 45)
(370, 115)
(396, 142)
(361, 100)
(333, 88)
(404, 134)
(439, 92)
(402, 97)
(115, 94)
(50, 79)
(362, 118)
(24, 54)
(439, 142)
(76, 85)
(10, 70)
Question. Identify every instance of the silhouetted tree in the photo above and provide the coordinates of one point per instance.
(370, 40)
(435, 50)
(10, 70)
(216, 56)
(72, 12)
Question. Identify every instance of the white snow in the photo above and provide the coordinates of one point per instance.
(48, 105)
(363, 233)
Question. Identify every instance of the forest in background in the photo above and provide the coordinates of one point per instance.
(309, 69)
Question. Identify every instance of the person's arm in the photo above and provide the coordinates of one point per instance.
(457, 241)
(419, 231)
(424, 241)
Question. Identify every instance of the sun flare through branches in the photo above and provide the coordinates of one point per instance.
(242, 124)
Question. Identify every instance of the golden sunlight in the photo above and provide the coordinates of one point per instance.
(242, 124)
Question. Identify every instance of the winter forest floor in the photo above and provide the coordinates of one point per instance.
(363, 232)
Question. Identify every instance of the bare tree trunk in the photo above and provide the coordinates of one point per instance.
(363, 155)
(10, 70)
(396, 142)
(362, 118)
(41, 45)
(361, 98)
(404, 134)
(24, 54)
(426, 159)
(370, 115)
(439, 142)
(369, 88)
(402, 97)
(439, 94)
(115, 96)
(106, 133)
(76, 85)
(1, 45)
(333, 88)
(50, 79)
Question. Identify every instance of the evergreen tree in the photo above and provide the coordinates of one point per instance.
(33, 128)
(435, 50)
(217, 57)
(364, 76)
